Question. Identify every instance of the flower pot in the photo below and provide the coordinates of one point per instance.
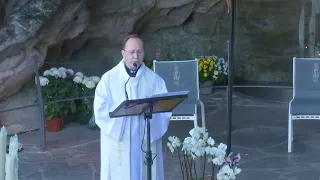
(206, 87)
(55, 124)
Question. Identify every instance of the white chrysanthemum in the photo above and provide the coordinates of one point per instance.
(53, 69)
(90, 84)
(62, 74)
(55, 73)
(70, 72)
(77, 79)
(62, 69)
(95, 78)
(47, 73)
(43, 81)
(85, 80)
(80, 74)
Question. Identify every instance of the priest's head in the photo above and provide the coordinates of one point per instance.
(133, 51)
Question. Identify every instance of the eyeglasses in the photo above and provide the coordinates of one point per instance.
(133, 52)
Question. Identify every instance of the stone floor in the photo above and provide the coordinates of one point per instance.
(260, 135)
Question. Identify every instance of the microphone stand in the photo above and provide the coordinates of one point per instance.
(148, 111)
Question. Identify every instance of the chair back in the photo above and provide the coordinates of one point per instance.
(180, 76)
(306, 78)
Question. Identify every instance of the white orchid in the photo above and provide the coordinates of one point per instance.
(227, 173)
(199, 144)
(173, 143)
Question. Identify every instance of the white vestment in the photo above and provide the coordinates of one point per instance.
(121, 138)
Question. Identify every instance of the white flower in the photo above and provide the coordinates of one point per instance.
(222, 146)
(175, 141)
(85, 80)
(80, 74)
(211, 141)
(53, 69)
(47, 73)
(62, 69)
(237, 170)
(95, 79)
(170, 147)
(70, 72)
(55, 73)
(77, 79)
(90, 84)
(43, 81)
(62, 74)
(226, 173)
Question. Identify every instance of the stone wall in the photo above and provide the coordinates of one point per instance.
(86, 36)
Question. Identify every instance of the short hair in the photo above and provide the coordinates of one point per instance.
(125, 40)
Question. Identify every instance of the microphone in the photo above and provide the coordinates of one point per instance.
(125, 85)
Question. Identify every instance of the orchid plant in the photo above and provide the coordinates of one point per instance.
(199, 145)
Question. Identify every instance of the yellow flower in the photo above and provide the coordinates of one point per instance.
(200, 69)
(205, 70)
(210, 69)
(205, 74)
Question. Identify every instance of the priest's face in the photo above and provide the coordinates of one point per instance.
(133, 52)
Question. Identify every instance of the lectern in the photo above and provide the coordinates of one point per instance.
(159, 103)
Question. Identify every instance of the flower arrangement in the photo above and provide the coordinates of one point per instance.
(56, 85)
(220, 73)
(84, 87)
(206, 67)
(62, 83)
(200, 145)
(212, 68)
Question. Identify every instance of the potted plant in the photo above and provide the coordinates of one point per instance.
(84, 87)
(220, 73)
(56, 84)
(206, 67)
(200, 150)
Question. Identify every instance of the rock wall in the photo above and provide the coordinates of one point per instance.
(86, 36)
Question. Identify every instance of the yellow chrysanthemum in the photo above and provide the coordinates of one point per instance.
(205, 74)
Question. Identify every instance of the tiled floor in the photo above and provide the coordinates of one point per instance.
(260, 135)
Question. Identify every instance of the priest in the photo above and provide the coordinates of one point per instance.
(123, 139)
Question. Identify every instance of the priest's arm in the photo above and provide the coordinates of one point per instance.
(160, 121)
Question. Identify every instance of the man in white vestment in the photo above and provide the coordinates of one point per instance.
(123, 139)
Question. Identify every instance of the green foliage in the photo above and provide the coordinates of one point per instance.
(57, 89)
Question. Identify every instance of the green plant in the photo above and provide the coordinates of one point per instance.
(55, 86)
